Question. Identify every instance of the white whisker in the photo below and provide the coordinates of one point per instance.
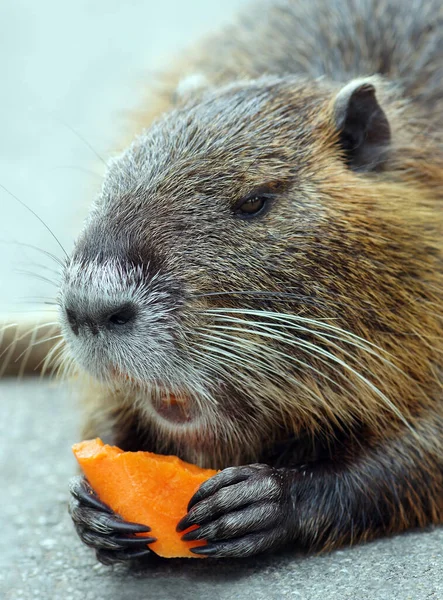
(34, 343)
(254, 368)
(264, 351)
(286, 317)
(284, 337)
(46, 362)
(312, 348)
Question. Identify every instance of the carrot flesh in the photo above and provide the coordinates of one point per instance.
(145, 488)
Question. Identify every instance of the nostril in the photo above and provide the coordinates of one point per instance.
(122, 316)
(72, 320)
(110, 319)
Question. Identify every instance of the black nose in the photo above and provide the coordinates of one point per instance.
(111, 320)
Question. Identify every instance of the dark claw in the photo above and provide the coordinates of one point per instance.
(118, 526)
(256, 517)
(223, 500)
(195, 534)
(205, 550)
(99, 527)
(242, 547)
(80, 489)
(133, 542)
(102, 523)
(183, 523)
(240, 512)
(258, 487)
(89, 511)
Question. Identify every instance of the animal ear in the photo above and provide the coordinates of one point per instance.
(190, 87)
(364, 129)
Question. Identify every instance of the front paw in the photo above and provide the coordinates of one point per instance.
(241, 511)
(98, 526)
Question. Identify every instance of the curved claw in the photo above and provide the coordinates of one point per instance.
(103, 523)
(113, 539)
(108, 542)
(133, 542)
(257, 517)
(241, 547)
(80, 488)
(258, 486)
(240, 512)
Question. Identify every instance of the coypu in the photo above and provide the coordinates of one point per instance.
(268, 253)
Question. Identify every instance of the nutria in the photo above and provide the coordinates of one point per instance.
(268, 253)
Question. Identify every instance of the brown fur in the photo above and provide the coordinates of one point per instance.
(365, 251)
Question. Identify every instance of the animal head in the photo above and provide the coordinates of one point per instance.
(244, 255)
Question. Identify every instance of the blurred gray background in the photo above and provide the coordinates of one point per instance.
(80, 64)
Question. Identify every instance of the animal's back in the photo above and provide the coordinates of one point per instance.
(338, 40)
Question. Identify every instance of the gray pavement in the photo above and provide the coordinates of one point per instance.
(41, 558)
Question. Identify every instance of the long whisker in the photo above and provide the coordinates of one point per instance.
(55, 272)
(264, 294)
(244, 381)
(273, 327)
(38, 300)
(45, 252)
(266, 350)
(8, 352)
(5, 327)
(27, 353)
(76, 168)
(36, 216)
(56, 364)
(320, 351)
(227, 356)
(18, 338)
(271, 373)
(64, 364)
(81, 138)
(37, 276)
(219, 368)
(46, 362)
(329, 338)
(293, 319)
(263, 357)
(300, 343)
(40, 311)
(34, 343)
(325, 337)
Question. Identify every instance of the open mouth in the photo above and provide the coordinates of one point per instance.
(173, 409)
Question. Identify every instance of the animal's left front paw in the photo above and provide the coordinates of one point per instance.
(241, 511)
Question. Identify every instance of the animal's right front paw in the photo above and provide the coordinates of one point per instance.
(98, 526)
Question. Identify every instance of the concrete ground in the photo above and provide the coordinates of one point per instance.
(41, 557)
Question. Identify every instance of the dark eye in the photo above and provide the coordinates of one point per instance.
(251, 206)
(258, 200)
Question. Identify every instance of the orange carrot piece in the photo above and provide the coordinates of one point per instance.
(145, 488)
